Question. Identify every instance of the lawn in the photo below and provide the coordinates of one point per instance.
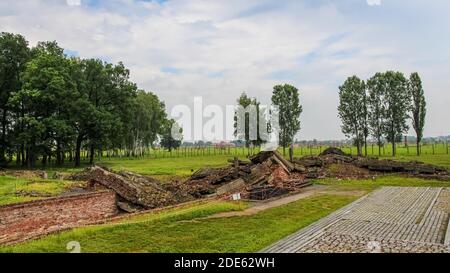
(16, 190)
(186, 229)
(167, 168)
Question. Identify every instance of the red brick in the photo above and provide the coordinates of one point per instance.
(23, 221)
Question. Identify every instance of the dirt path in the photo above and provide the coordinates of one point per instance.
(262, 206)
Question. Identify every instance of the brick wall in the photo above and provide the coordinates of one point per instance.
(24, 221)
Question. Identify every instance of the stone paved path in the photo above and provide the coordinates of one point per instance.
(392, 219)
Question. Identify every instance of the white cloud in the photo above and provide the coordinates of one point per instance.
(73, 2)
(374, 2)
(182, 49)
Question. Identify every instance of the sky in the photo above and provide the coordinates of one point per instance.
(219, 49)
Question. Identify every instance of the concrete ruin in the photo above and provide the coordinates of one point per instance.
(265, 175)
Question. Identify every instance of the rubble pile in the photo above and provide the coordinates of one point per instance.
(266, 175)
(322, 166)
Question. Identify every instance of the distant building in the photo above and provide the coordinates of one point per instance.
(224, 144)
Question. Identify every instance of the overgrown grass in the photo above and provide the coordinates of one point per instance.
(11, 187)
(189, 232)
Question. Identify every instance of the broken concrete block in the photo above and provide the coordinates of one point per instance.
(232, 186)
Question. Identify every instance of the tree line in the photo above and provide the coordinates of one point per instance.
(53, 106)
(381, 107)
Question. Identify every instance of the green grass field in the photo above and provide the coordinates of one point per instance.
(186, 229)
(166, 168)
(162, 168)
(164, 165)
(182, 162)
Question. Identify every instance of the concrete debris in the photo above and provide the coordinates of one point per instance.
(268, 174)
(133, 188)
(335, 163)
(265, 175)
(333, 151)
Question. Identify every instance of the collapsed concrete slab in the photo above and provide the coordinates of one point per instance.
(133, 188)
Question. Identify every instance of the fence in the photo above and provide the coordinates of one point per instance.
(372, 150)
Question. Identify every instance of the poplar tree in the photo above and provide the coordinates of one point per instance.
(418, 107)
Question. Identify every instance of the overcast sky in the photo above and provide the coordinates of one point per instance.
(218, 49)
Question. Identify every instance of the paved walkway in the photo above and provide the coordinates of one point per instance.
(392, 219)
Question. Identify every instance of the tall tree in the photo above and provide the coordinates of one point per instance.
(251, 124)
(286, 98)
(43, 102)
(14, 54)
(418, 107)
(147, 121)
(171, 137)
(353, 110)
(102, 108)
(365, 120)
(376, 91)
(396, 107)
(51, 105)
